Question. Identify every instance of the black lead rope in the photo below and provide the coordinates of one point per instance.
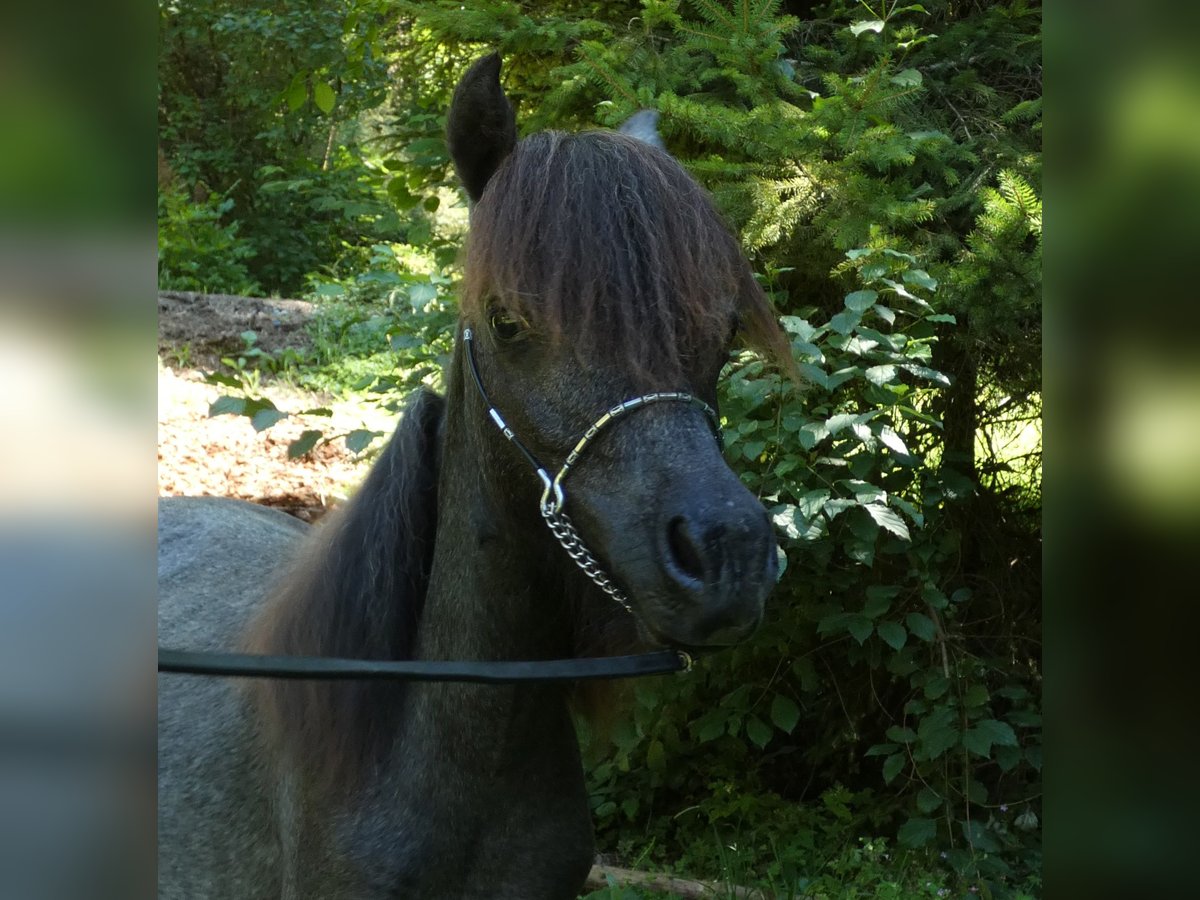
(502, 672)
(242, 665)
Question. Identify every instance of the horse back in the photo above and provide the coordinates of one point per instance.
(219, 833)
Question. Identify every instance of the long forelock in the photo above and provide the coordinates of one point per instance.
(605, 242)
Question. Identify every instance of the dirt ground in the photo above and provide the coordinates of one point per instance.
(224, 456)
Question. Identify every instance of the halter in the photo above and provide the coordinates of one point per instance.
(553, 497)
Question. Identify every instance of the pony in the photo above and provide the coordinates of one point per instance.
(596, 270)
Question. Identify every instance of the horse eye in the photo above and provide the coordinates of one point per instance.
(505, 326)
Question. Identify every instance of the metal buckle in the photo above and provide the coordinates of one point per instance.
(550, 505)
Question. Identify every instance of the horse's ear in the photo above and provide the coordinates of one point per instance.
(481, 128)
(643, 125)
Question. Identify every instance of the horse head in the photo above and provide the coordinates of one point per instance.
(599, 273)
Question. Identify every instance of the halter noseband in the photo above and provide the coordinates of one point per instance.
(553, 497)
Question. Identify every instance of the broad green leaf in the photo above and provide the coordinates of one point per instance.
(861, 301)
(907, 78)
(837, 506)
(916, 832)
(844, 322)
(296, 93)
(934, 597)
(886, 313)
(790, 520)
(878, 602)
(400, 195)
(758, 731)
(892, 766)
(227, 406)
(892, 634)
(975, 695)
(908, 509)
(936, 687)
(265, 418)
(784, 713)
(629, 806)
(978, 835)
(1026, 821)
(865, 492)
(841, 376)
(921, 625)
(304, 444)
(420, 294)
(942, 317)
(904, 292)
(810, 504)
(893, 441)
(927, 373)
(358, 440)
(812, 434)
(887, 518)
(928, 800)
(841, 420)
(815, 374)
(812, 351)
(1007, 758)
(860, 628)
(978, 741)
(881, 375)
(901, 734)
(711, 725)
(799, 327)
(432, 202)
(856, 29)
(938, 741)
(323, 97)
(329, 290)
(222, 379)
(920, 278)
(752, 450)
(834, 623)
(1001, 733)
(860, 346)
(882, 749)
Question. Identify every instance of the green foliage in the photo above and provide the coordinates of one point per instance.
(196, 252)
(247, 95)
(882, 165)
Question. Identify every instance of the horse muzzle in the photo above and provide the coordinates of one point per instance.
(701, 577)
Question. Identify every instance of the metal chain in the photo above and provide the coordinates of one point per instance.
(564, 530)
(553, 497)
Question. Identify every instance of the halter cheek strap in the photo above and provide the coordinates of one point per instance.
(553, 496)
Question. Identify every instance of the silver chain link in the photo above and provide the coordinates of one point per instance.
(564, 530)
(553, 497)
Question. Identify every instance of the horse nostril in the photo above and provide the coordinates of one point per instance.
(685, 551)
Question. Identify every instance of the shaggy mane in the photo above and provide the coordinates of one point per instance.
(605, 242)
(356, 591)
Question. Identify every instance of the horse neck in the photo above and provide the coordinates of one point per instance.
(497, 582)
